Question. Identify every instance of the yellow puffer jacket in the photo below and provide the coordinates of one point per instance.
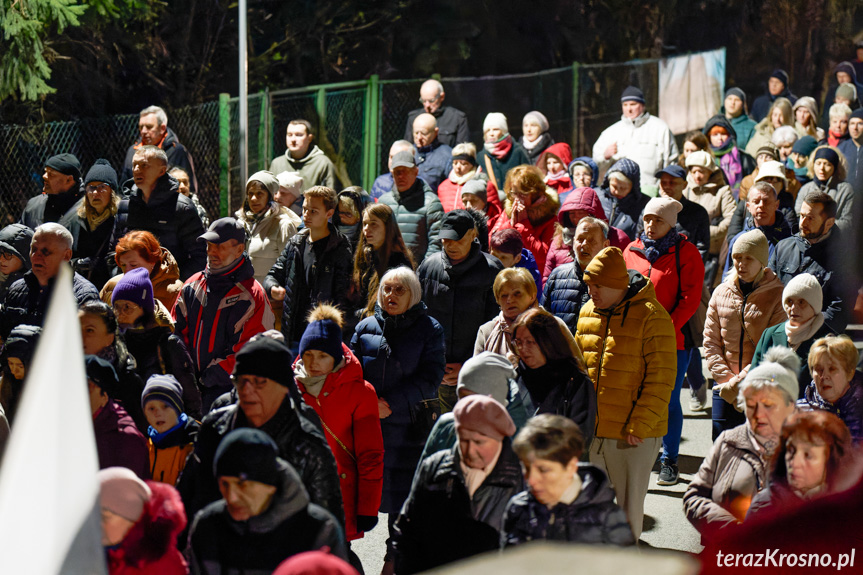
(631, 357)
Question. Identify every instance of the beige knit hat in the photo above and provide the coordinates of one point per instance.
(701, 159)
(753, 243)
(773, 169)
(807, 287)
(664, 208)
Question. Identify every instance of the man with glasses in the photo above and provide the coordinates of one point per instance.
(262, 377)
(61, 187)
(220, 309)
(451, 123)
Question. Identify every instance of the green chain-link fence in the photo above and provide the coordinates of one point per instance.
(355, 123)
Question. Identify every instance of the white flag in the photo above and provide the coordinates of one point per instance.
(49, 494)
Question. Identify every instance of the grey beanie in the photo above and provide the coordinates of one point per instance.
(753, 243)
(537, 118)
(476, 188)
(778, 368)
(487, 374)
(268, 180)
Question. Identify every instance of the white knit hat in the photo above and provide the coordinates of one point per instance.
(701, 159)
(771, 169)
(495, 120)
(807, 287)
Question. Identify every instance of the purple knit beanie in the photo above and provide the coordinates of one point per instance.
(135, 286)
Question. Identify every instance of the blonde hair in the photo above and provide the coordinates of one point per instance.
(839, 347)
(515, 276)
(466, 148)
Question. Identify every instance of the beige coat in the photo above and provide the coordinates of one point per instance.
(720, 205)
(268, 237)
(734, 325)
(729, 477)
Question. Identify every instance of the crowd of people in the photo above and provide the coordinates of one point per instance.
(489, 346)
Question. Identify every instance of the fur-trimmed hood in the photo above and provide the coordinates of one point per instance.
(155, 533)
(543, 209)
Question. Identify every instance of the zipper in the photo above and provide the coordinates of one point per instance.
(742, 332)
(599, 372)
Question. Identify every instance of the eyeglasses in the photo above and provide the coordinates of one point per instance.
(431, 101)
(125, 308)
(256, 382)
(398, 291)
(523, 343)
(99, 188)
(7, 256)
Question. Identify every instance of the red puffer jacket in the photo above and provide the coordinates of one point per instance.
(150, 547)
(680, 297)
(348, 408)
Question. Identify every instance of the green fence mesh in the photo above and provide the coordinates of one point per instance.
(578, 108)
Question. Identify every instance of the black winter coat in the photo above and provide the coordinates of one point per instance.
(300, 443)
(51, 207)
(16, 239)
(460, 297)
(158, 351)
(835, 265)
(329, 279)
(170, 216)
(440, 523)
(560, 388)
(178, 156)
(565, 293)
(26, 301)
(290, 525)
(593, 518)
(90, 248)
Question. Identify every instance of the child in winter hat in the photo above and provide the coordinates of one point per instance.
(171, 435)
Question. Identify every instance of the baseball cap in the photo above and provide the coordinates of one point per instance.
(224, 229)
(455, 225)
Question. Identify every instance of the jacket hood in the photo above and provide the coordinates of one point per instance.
(543, 209)
(21, 343)
(581, 199)
(290, 498)
(629, 169)
(167, 270)
(585, 161)
(314, 152)
(720, 120)
(595, 485)
(561, 150)
(15, 239)
(848, 68)
(155, 533)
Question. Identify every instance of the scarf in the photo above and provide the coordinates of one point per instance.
(834, 139)
(313, 384)
(252, 218)
(731, 165)
(109, 354)
(473, 478)
(655, 249)
(499, 339)
(461, 180)
(499, 149)
(159, 437)
(95, 220)
(541, 142)
(765, 446)
(797, 335)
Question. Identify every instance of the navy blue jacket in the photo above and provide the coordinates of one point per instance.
(565, 293)
(854, 157)
(832, 261)
(849, 407)
(434, 163)
(403, 358)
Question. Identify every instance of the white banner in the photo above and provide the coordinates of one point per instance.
(691, 89)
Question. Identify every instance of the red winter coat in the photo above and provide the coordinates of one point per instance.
(562, 152)
(537, 231)
(150, 547)
(682, 304)
(581, 199)
(348, 408)
(449, 194)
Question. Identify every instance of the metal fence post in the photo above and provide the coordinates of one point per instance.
(224, 155)
(263, 132)
(576, 123)
(371, 120)
(321, 109)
